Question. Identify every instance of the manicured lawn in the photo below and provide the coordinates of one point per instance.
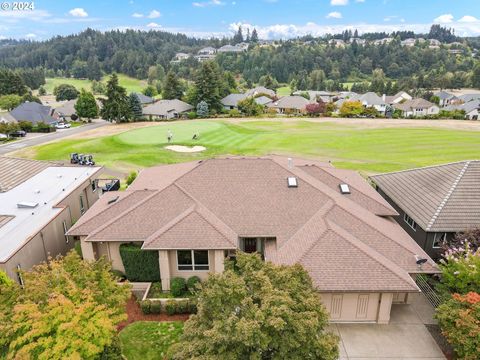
(149, 340)
(347, 145)
(131, 84)
(284, 90)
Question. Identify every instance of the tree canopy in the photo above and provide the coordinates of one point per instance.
(257, 310)
(86, 105)
(116, 106)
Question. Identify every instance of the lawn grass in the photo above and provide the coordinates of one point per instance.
(149, 340)
(131, 84)
(284, 91)
(370, 150)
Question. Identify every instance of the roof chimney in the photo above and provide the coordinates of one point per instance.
(290, 163)
(384, 97)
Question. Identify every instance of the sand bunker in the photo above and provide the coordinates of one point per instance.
(185, 149)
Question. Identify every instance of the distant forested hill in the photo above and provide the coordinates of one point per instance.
(306, 63)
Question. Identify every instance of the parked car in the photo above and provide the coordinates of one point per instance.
(18, 133)
(3, 137)
(62, 125)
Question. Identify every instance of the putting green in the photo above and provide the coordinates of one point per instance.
(182, 133)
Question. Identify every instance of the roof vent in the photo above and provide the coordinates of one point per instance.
(37, 191)
(290, 163)
(292, 182)
(59, 176)
(111, 201)
(344, 189)
(27, 205)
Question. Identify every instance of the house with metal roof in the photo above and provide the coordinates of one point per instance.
(435, 202)
(39, 202)
(291, 211)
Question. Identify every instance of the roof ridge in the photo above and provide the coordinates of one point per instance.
(122, 214)
(448, 195)
(169, 225)
(386, 263)
(203, 210)
(423, 167)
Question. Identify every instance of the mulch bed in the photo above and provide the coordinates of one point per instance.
(440, 340)
(134, 313)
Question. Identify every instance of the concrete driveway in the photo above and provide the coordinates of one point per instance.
(406, 337)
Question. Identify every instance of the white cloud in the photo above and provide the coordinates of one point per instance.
(78, 12)
(444, 19)
(208, 3)
(35, 15)
(154, 14)
(153, 25)
(468, 19)
(334, 15)
(359, 1)
(338, 2)
(137, 15)
(31, 36)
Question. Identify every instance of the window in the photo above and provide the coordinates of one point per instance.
(65, 229)
(192, 260)
(410, 222)
(94, 185)
(82, 207)
(439, 239)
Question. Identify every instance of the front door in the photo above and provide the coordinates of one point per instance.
(250, 245)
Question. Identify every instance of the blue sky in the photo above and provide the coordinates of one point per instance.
(272, 18)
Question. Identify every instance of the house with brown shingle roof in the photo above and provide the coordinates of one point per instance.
(329, 220)
(434, 202)
(417, 108)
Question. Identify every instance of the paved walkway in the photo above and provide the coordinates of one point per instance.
(406, 337)
(38, 140)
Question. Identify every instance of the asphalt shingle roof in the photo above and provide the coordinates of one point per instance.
(439, 198)
(33, 112)
(347, 242)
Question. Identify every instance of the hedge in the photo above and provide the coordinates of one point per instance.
(140, 265)
(178, 286)
(170, 307)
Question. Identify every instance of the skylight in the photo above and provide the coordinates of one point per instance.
(344, 189)
(27, 204)
(292, 181)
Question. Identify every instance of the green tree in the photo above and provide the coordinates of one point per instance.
(316, 80)
(9, 102)
(86, 106)
(116, 107)
(476, 75)
(459, 319)
(29, 97)
(270, 82)
(79, 69)
(249, 107)
(150, 91)
(75, 316)
(42, 91)
(65, 92)
(208, 85)
(172, 88)
(98, 87)
(257, 310)
(254, 37)
(238, 37)
(135, 106)
(11, 83)
(94, 71)
(351, 108)
(4, 279)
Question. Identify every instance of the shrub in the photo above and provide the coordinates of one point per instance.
(192, 306)
(26, 126)
(171, 307)
(192, 282)
(182, 307)
(112, 351)
(145, 306)
(118, 274)
(131, 178)
(178, 286)
(155, 307)
(459, 320)
(74, 117)
(234, 113)
(140, 265)
(192, 115)
(78, 248)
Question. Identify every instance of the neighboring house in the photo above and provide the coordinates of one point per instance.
(399, 97)
(289, 104)
(417, 108)
(434, 202)
(369, 99)
(7, 118)
(34, 113)
(337, 42)
(166, 109)
(67, 109)
(263, 100)
(207, 51)
(231, 101)
(434, 42)
(39, 202)
(408, 42)
(471, 108)
(469, 97)
(144, 99)
(231, 48)
(314, 95)
(181, 56)
(445, 98)
(383, 41)
(260, 90)
(289, 211)
(359, 41)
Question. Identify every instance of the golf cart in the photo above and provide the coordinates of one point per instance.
(81, 159)
(109, 185)
(74, 158)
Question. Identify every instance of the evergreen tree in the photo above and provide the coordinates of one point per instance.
(202, 109)
(247, 39)
(116, 106)
(86, 106)
(172, 88)
(11, 83)
(135, 106)
(254, 37)
(208, 85)
(65, 92)
(238, 37)
(42, 91)
(476, 76)
(93, 69)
